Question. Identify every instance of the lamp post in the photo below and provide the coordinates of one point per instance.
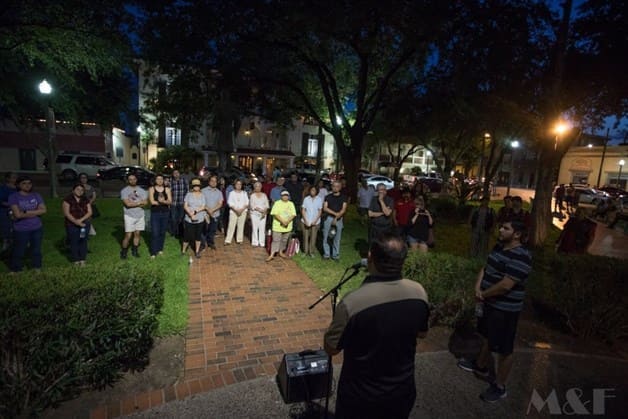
(428, 154)
(46, 89)
(486, 137)
(621, 166)
(513, 145)
(599, 173)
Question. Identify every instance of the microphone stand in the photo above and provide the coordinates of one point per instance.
(334, 297)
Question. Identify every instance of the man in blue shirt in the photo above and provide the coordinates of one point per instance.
(499, 291)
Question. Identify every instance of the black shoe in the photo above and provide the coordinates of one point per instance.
(471, 366)
(134, 252)
(123, 253)
(198, 255)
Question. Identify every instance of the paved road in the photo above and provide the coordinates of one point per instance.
(443, 391)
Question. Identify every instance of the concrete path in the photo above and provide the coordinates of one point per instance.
(444, 391)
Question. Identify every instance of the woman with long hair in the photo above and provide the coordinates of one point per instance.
(77, 211)
(160, 199)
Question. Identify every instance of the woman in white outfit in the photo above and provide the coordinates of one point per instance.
(311, 212)
(238, 208)
(258, 208)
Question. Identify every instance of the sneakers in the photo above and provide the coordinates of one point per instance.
(493, 393)
(471, 366)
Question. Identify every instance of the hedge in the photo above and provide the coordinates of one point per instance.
(449, 282)
(589, 293)
(68, 329)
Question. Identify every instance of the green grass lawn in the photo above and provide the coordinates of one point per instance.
(450, 236)
(104, 250)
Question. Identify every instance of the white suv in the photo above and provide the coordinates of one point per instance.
(69, 165)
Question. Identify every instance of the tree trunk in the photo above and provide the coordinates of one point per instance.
(351, 162)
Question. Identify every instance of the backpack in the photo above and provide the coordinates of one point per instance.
(293, 247)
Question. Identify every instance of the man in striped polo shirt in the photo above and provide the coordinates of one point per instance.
(499, 291)
(377, 326)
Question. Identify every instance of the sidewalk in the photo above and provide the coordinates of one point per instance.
(244, 315)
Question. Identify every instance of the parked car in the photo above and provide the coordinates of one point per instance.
(589, 195)
(613, 192)
(116, 176)
(376, 180)
(435, 184)
(69, 165)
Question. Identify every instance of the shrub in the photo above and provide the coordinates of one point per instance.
(449, 282)
(67, 329)
(590, 293)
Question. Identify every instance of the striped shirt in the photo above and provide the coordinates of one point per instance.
(516, 264)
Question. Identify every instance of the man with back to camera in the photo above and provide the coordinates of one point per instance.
(499, 291)
(377, 326)
(134, 199)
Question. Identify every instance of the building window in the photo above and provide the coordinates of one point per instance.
(173, 136)
(312, 147)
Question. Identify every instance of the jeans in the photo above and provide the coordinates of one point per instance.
(335, 249)
(158, 226)
(22, 239)
(176, 216)
(210, 231)
(78, 245)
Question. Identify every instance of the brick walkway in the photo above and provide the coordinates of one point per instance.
(244, 315)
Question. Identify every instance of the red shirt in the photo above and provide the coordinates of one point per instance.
(404, 211)
(267, 187)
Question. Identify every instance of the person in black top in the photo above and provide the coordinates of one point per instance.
(160, 199)
(334, 209)
(377, 327)
(420, 226)
(296, 196)
(380, 213)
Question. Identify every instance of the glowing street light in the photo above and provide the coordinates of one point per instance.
(44, 87)
(621, 166)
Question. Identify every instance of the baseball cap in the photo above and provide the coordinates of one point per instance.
(285, 193)
(196, 182)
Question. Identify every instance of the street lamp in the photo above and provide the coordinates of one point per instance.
(46, 89)
(513, 145)
(559, 129)
(621, 166)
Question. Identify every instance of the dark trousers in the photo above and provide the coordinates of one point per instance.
(210, 231)
(176, 217)
(78, 245)
(158, 226)
(22, 240)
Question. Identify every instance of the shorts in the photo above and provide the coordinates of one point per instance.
(413, 240)
(192, 232)
(499, 328)
(134, 224)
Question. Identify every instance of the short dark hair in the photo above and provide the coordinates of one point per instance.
(388, 253)
(519, 226)
(516, 198)
(83, 174)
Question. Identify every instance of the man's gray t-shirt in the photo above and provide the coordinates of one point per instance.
(134, 194)
(212, 197)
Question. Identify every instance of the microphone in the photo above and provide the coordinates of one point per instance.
(361, 264)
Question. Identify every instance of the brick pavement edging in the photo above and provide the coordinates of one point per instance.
(244, 314)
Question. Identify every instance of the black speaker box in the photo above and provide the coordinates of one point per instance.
(304, 376)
